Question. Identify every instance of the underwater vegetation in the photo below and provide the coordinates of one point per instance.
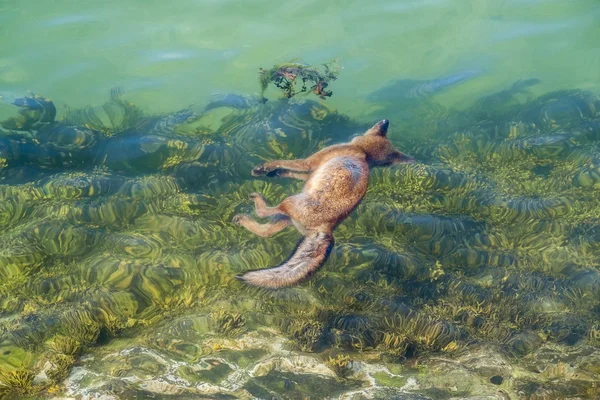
(116, 225)
(395, 91)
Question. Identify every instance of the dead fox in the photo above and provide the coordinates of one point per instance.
(336, 181)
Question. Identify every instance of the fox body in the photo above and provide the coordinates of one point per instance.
(336, 179)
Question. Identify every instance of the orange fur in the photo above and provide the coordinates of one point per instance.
(336, 181)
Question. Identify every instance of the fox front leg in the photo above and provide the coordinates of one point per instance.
(301, 176)
(290, 165)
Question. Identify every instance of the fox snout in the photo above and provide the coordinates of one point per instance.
(403, 158)
(383, 125)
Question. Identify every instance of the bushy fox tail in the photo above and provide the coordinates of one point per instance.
(310, 254)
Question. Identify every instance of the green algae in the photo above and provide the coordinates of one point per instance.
(385, 379)
(243, 359)
(211, 370)
(297, 386)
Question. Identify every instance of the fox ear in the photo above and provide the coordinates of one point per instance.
(379, 129)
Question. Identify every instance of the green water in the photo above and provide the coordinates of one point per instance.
(472, 272)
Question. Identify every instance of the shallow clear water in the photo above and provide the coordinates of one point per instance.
(473, 271)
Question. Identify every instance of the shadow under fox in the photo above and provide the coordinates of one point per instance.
(336, 178)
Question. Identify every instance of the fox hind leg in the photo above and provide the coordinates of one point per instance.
(262, 209)
(263, 230)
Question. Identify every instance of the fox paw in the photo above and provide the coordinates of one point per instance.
(238, 219)
(260, 170)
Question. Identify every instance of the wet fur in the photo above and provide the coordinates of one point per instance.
(336, 181)
(310, 253)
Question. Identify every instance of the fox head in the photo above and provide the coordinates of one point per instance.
(379, 149)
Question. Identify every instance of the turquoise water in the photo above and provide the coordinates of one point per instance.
(169, 56)
(472, 272)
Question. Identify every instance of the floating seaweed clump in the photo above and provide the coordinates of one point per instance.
(288, 76)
